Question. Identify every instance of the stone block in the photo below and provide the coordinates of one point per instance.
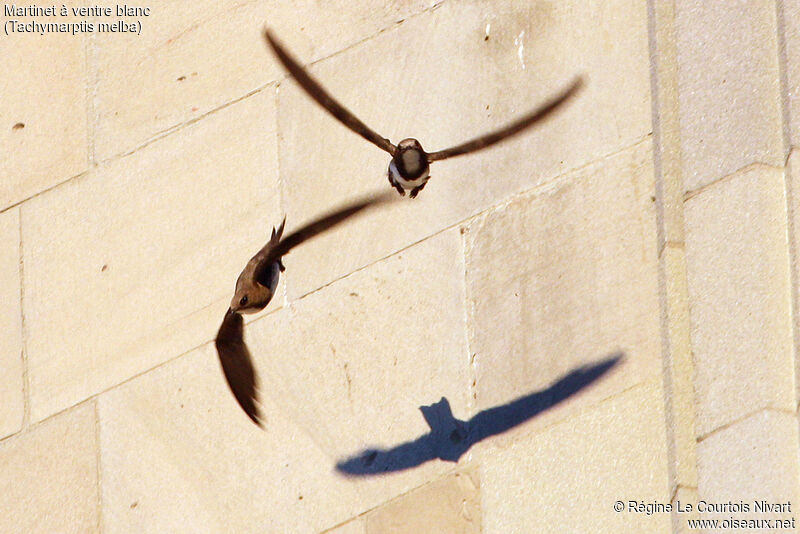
(568, 477)
(793, 183)
(49, 481)
(729, 88)
(789, 11)
(12, 396)
(751, 462)
(43, 121)
(738, 270)
(679, 371)
(198, 56)
(450, 505)
(566, 277)
(135, 263)
(389, 339)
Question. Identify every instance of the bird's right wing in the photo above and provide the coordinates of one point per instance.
(324, 99)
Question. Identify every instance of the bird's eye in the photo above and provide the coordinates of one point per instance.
(243, 301)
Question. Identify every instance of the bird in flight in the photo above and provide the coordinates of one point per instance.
(409, 168)
(255, 287)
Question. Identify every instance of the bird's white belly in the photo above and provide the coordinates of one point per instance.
(407, 184)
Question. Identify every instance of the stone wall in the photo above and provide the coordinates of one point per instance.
(599, 310)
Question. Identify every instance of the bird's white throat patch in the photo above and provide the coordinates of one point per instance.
(412, 161)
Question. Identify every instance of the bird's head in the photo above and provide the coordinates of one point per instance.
(409, 144)
(250, 296)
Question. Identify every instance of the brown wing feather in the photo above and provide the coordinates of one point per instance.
(272, 254)
(237, 364)
(323, 98)
(515, 127)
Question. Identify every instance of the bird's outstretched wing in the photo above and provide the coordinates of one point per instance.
(237, 364)
(272, 253)
(515, 127)
(316, 91)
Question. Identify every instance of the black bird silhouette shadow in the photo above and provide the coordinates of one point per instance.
(450, 438)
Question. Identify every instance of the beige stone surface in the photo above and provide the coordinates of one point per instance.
(738, 272)
(192, 57)
(729, 88)
(682, 498)
(143, 259)
(177, 455)
(676, 346)
(568, 477)
(387, 339)
(448, 505)
(566, 277)
(439, 364)
(343, 369)
(411, 80)
(356, 526)
(43, 126)
(12, 399)
(679, 369)
(752, 460)
(793, 170)
(49, 481)
(789, 11)
(666, 123)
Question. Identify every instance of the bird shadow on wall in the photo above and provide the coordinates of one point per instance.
(450, 438)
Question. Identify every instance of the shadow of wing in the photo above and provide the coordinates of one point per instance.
(376, 461)
(502, 418)
(450, 438)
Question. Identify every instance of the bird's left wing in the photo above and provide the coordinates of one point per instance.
(237, 364)
(515, 127)
(273, 252)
